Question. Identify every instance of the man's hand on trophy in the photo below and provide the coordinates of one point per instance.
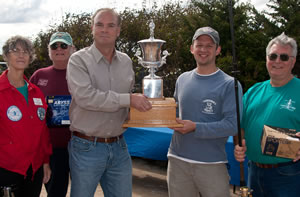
(140, 102)
(188, 126)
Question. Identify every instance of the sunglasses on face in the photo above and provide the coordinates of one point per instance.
(56, 45)
(283, 57)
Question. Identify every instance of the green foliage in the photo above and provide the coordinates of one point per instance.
(286, 16)
(176, 23)
(79, 27)
(2, 66)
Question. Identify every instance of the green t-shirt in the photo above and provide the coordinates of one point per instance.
(267, 105)
(24, 91)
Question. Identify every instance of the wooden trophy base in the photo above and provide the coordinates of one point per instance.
(162, 114)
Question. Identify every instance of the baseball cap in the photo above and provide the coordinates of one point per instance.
(61, 37)
(207, 31)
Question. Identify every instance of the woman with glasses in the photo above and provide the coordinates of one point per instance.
(24, 137)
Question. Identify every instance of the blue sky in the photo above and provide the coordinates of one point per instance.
(28, 17)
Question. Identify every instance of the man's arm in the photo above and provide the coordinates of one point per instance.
(240, 151)
(188, 126)
(227, 126)
(90, 98)
(140, 102)
(218, 129)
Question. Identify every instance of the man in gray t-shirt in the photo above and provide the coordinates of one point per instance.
(206, 101)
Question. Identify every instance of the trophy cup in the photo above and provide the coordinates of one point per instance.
(163, 112)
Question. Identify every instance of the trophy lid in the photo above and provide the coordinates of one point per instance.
(151, 39)
(151, 50)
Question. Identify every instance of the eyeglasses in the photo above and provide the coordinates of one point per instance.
(56, 45)
(19, 52)
(283, 57)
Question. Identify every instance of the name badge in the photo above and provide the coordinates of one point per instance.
(37, 101)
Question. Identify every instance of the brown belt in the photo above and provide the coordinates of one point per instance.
(262, 165)
(97, 139)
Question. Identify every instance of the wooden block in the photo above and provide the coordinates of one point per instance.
(162, 114)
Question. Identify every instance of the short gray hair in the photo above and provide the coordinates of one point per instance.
(119, 20)
(25, 43)
(283, 39)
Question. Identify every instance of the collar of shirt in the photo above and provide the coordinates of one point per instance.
(98, 55)
(4, 83)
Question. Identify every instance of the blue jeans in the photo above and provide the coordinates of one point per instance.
(283, 181)
(94, 162)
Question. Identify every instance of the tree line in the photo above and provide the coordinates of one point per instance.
(176, 23)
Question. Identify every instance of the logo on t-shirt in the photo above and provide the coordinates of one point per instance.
(42, 82)
(209, 106)
(288, 104)
(14, 113)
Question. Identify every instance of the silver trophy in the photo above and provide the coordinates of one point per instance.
(152, 60)
(163, 112)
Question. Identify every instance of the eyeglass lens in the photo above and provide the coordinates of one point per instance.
(19, 52)
(56, 45)
(283, 57)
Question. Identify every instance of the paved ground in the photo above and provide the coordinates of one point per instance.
(149, 179)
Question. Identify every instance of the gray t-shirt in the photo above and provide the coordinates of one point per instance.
(209, 101)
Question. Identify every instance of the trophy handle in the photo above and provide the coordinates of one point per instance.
(164, 58)
(140, 60)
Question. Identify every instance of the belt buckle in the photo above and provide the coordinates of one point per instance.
(105, 140)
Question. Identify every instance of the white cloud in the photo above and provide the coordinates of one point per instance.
(260, 4)
(18, 11)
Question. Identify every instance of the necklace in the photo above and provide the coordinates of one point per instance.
(17, 84)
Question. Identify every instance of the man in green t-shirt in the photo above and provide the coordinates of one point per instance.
(275, 102)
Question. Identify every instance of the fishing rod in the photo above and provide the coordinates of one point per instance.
(235, 73)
